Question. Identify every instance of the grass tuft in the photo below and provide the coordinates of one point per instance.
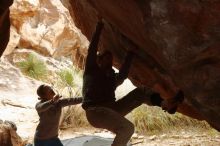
(67, 77)
(74, 117)
(33, 67)
(148, 120)
(69, 82)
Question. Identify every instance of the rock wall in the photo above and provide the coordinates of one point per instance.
(8, 135)
(178, 46)
(44, 26)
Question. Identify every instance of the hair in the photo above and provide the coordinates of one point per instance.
(100, 55)
(41, 91)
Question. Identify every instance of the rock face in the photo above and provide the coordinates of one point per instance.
(8, 135)
(178, 46)
(44, 26)
(17, 100)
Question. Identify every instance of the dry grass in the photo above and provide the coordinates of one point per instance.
(148, 120)
(74, 117)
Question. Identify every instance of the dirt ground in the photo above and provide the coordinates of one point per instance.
(184, 137)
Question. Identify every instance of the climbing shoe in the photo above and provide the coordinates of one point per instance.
(171, 105)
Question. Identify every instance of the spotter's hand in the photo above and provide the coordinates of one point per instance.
(56, 98)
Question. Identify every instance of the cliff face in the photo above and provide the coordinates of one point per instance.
(178, 46)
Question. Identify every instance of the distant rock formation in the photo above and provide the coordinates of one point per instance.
(44, 26)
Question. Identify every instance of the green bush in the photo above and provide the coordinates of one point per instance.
(70, 79)
(67, 77)
(33, 67)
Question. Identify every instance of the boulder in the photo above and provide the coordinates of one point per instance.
(178, 46)
(8, 135)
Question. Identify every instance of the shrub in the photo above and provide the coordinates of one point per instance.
(66, 77)
(70, 79)
(33, 67)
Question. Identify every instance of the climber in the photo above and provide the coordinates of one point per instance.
(49, 110)
(99, 84)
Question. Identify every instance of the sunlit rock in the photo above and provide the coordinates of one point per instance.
(46, 27)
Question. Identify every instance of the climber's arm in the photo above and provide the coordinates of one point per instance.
(124, 70)
(91, 57)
